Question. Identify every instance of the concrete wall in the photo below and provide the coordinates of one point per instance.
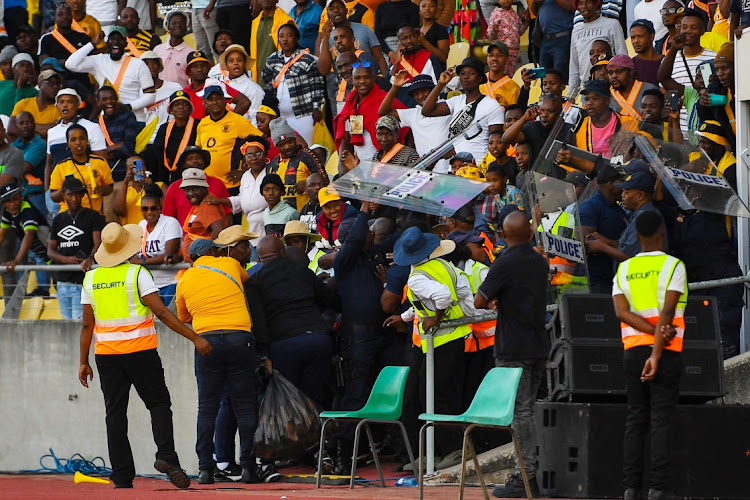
(42, 404)
(736, 377)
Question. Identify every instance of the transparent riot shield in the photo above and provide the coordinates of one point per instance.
(409, 188)
(690, 176)
(558, 232)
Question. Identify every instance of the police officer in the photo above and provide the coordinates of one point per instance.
(119, 302)
(650, 293)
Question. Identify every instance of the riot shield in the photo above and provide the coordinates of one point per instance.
(406, 187)
(558, 232)
(691, 177)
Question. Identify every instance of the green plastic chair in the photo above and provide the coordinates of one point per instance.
(383, 406)
(492, 406)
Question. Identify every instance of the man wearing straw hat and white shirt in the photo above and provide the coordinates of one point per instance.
(119, 302)
(438, 292)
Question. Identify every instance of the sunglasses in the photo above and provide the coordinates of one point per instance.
(671, 10)
(257, 155)
(151, 208)
(364, 64)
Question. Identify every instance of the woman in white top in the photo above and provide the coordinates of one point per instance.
(235, 65)
(162, 236)
(250, 201)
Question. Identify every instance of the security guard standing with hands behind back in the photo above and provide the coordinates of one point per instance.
(119, 302)
(650, 293)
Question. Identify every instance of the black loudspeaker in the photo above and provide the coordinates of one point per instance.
(586, 358)
(581, 446)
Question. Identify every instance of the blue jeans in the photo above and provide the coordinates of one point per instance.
(555, 53)
(226, 428)
(166, 293)
(305, 360)
(232, 362)
(69, 298)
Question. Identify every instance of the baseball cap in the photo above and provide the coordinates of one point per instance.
(196, 56)
(711, 130)
(464, 214)
(21, 56)
(193, 177)
(608, 173)
(464, 156)
(54, 63)
(8, 189)
(179, 95)
(469, 172)
(120, 30)
(638, 180)
(327, 194)
(67, 91)
(47, 74)
(500, 46)
(577, 178)
(596, 87)
(465, 237)
(199, 247)
(213, 89)
(506, 210)
(645, 23)
(621, 61)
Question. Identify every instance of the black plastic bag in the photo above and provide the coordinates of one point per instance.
(288, 422)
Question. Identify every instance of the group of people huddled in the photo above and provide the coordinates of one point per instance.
(226, 149)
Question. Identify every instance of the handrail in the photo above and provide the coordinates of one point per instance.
(76, 267)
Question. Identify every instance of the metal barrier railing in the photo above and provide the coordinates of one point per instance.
(15, 304)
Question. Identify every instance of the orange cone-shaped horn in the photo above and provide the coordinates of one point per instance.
(83, 478)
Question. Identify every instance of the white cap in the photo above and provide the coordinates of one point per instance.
(193, 177)
(149, 54)
(213, 82)
(67, 91)
(21, 56)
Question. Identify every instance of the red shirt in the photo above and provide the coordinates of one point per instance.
(177, 205)
(198, 110)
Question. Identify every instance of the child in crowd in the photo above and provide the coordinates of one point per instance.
(524, 162)
(462, 159)
(277, 214)
(498, 153)
(497, 195)
(507, 26)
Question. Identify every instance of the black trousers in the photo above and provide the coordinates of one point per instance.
(237, 19)
(652, 409)
(144, 371)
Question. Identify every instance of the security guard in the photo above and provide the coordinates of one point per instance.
(650, 293)
(119, 303)
(437, 292)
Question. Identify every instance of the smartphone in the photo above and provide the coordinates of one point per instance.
(138, 171)
(706, 72)
(674, 100)
(538, 72)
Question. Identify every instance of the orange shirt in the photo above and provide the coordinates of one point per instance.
(197, 225)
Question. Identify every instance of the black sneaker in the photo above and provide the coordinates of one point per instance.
(123, 485)
(176, 475)
(514, 488)
(267, 472)
(231, 473)
(206, 477)
(249, 475)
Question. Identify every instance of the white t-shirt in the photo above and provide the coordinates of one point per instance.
(167, 228)
(368, 150)
(489, 112)
(56, 140)
(104, 11)
(429, 132)
(252, 91)
(159, 108)
(676, 284)
(681, 76)
(650, 10)
(145, 286)
(251, 202)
